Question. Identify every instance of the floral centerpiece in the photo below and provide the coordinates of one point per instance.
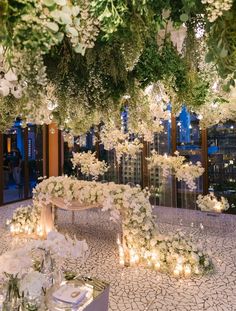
(25, 278)
(88, 164)
(210, 203)
(32, 284)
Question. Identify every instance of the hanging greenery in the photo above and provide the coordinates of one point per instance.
(95, 53)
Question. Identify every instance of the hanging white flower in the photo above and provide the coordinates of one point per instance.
(113, 137)
(88, 164)
(176, 165)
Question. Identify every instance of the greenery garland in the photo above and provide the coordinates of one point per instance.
(96, 52)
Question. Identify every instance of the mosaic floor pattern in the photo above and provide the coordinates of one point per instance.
(139, 289)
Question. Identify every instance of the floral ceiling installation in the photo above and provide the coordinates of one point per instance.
(175, 255)
(93, 53)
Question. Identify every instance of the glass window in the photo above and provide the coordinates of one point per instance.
(188, 131)
(13, 163)
(188, 145)
(35, 155)
(161, 188)
(222, 160)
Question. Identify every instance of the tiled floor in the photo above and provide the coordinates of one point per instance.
(140, 289)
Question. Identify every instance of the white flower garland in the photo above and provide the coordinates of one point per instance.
(88, 164)
(210, 203)
(170, 254)
(175, 165)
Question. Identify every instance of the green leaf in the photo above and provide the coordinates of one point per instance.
(209, 57)
(48, 2)
(184, 17)
(223, 52)
(232, 82)
(226, 87)
(59, 36)
(219, 44)
(105, 14)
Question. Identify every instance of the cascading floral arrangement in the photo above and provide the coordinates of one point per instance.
(113, 138)
(172, 254)
(176, 165)
(89, 165)
(94, 53)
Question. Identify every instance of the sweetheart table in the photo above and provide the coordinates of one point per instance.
(47, 220)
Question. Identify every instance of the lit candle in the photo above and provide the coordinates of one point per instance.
(155, 256)
(179, 267)
(118, 239)
(187, 270)
(157, 265)
(145, 255)
(196, 270)
(176, 272)
(149, 263)
(180, 260)
(134, 258)
(121, 256)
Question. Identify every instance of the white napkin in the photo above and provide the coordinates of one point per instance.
(70, 294)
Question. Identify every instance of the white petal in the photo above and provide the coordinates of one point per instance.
(10, 76)
(72, 31)
(4, 91)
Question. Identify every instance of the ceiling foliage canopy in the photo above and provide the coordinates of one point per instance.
(80, 62)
